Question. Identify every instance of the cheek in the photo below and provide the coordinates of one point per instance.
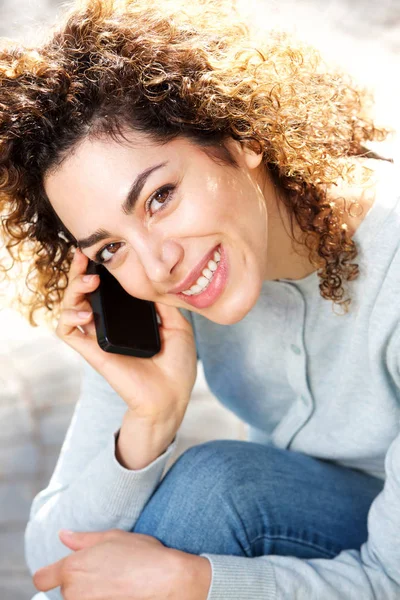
(195, 216)
(139, 289)
(132, 278)
(208, 203)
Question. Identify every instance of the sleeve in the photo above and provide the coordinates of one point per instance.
(371, 573)
(89, 490)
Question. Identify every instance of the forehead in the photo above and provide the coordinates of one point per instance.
(103, 156)
(103, 168)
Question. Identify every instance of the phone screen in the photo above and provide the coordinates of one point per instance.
(124, 324)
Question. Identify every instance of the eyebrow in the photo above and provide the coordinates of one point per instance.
(127, 207)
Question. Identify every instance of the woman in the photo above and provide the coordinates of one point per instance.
(228, 180)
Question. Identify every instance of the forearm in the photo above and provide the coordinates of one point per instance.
(89, 489)
(104, 496)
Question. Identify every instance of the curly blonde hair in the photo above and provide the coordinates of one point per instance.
(170, 71)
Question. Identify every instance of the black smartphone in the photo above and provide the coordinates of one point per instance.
(124, 324)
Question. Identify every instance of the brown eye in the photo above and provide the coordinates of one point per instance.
(111, 249)
(162, 196)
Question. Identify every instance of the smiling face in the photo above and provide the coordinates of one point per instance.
(159, 211)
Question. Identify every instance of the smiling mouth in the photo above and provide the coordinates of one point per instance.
(196, 273)
(206, 291)
(206, 276)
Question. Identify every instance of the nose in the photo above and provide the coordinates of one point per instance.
(159, 259)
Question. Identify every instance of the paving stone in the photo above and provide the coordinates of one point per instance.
(16, 331)
(19, 460)
(44, 396)
(12, 554)
(46, 353)
(54, 424)
(13, 385)
(20, 20)
(15, 502)
(49, 458)
(16, 422)
(17, 586)
(9, 384)
(41, 482)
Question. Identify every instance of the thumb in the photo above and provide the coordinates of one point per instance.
(76, 540)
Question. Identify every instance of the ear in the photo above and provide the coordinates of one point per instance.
(252, 154)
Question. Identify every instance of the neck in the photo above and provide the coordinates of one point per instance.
(287, 259)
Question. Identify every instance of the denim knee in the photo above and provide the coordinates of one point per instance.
(205, 473)
(190, 508)
(209, 470)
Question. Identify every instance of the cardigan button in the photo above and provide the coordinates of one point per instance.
(295, 349)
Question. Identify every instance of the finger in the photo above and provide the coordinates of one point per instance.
(83, 341)
(78, 264)
(89, 349)
(71, 319)
(76, 540)
(76, 293)
(77, 269)
(49, 577)
(90, 329)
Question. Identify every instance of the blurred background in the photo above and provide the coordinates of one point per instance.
(40, 376)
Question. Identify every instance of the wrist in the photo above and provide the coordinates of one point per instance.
(193, 576)
(139, 443)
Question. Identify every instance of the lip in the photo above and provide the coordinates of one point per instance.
(214, 289)
(194, 274)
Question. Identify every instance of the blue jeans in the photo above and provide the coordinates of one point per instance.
(247, 499)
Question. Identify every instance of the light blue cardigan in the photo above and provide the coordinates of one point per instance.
(303, 378)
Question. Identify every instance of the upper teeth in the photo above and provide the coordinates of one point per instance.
(205, 277)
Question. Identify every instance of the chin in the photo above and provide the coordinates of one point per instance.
(236, 308)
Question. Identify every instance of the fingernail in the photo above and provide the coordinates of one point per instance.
(83, 314)
(88, 277)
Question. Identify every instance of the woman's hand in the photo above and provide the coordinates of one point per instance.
(116, 565)
(157, 389)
